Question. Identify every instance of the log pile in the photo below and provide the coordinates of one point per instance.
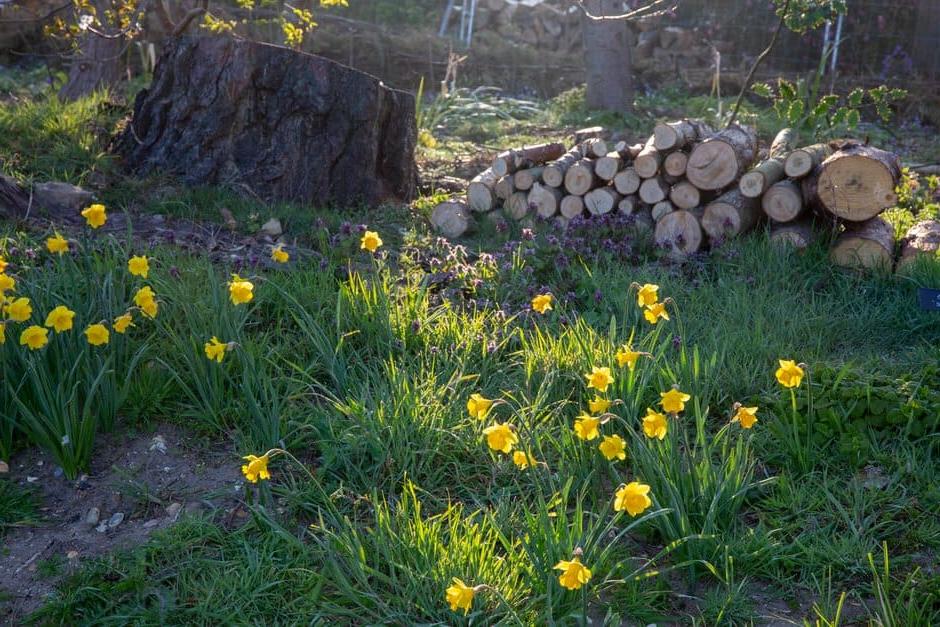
(692, 186)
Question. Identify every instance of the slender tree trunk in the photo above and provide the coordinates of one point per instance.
(607, 48)
(99, 63)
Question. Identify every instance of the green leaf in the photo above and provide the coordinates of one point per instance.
(852, 118)
(856, 97)
(795, 112)
(763, 90)
(786, 89)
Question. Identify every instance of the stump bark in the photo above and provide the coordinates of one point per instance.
(868, 244)
(284, 124)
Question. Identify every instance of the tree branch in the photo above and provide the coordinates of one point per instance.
(191, 15)
(654, 9)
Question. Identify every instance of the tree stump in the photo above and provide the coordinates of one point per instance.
(286, 125)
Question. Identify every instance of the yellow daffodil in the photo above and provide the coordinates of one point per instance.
(256, 468)
(587, 427)
(279, 255)
(7, 283)
(632, 498)
(460, 596)
(574, 574)
(139, 266)
(370, 241)
(122, 322)
(613, 447)
(478, 406)
(150, 309)
(746, 417)
(647, 295)
(19, 310)
(542, 303)
(654, 312)
(654, 424)
(145, 299)
(35, 337)
(674, 400)
(215, 349)
(501, 437)
(789, 374)
(97, 335)
(627, 357)
(599, 379)
(240, 290)
(95, 215)
(57, 244)
(598, 405)
(60, 319)
(523, 460)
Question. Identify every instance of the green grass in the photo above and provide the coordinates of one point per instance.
(17, 506)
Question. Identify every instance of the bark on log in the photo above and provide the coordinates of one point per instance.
(680, 234)
(607, 167)
(649, 160)
(722, 158)
(481, 193)
(572, 206)
(99, 64)
(661, 209)
(799, 234)
(684, 195)
(517, 207)
(554, 173)
(867, 244)
(803, 161)
(284, 124)
(545, 200)
(594, 148)
(628, 205)
(601, 200)
(627, 181)
(756, 182)
(921, 240)
(511, 161)
(14, 200)
(858, 182)
(654, 190)
(730, 215)
(783, 144)
(504, 187)
(452, 219)
(524, 179)
(675, 163)
(580, 178)
(783, 202)
(677, 135)
(583, 134)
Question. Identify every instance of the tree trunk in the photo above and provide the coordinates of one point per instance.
(481, 193)
(722, 158)
(926, 45)
(783, 202)
(680, 233)
(627, 181)
(731, 215)
(602, 200)
(857, 182)
(554, 173)
(99, 64)
(572, 206)
(545, 200)
(607, 58)
(684, 195)
(452, 219)
(799, 234)
(758, 181)
(866, 245)
(511, 161)
(803, 161)
(13, 199)
(580, 178)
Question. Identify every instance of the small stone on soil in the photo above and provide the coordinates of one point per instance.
(91, 518)
(173, 510)
(116, 520)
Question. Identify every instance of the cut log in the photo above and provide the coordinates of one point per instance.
(590, 132)
(607, 167)
(580, 178)
(545, 200)
(922, 240)
(648, 161)
(758, 181)
(524, 179)
(784, 143)
(684, 195)
(721, 159)
(452, 219)
(802, 161)
(627, 181)
(481, 194)
(594, 148)
(572, 206)
(601, 200)
(554, 173)
(511, 161)
(642, 220)
(504, 187)
(517, 207)
(654, 190)
(678, 135)
(628, 205)
(661, 209)
(799, 234)
(675, 163)
(680, 234)
(858, 182)
(627, 151)
(730, 215)
(868, 244)
(279, 124)
(14, 200)
(783, 202)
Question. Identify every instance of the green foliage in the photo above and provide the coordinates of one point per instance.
(804, 15)
(913, 600)
(17, 506)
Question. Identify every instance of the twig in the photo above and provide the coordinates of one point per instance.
(191, 15)
(656, 8)
(760, 59)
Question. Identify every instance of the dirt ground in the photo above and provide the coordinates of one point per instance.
(145, 485)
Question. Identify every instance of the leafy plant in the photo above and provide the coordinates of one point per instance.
(902, 602)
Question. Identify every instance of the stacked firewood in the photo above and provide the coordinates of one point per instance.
(692, 185)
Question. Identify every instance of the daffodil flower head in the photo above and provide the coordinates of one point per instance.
(460, 596)
(18, 310)
(95, 216)
(60, 319)
(587, 427)
(501, 437)
(57, 244)
(598, 405)
(574, 574)
(256, 468)
(139, 266)
(655, 424)
(647, 295)
(789, 374)
(370, 241)
(240, 290)
(35, 337)
(745, 416)
(97, 335)
(599, 379)
(674, 400)
(632, 498)
(478, 406)
(279, 255)
(542, 303)
(613, 447)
